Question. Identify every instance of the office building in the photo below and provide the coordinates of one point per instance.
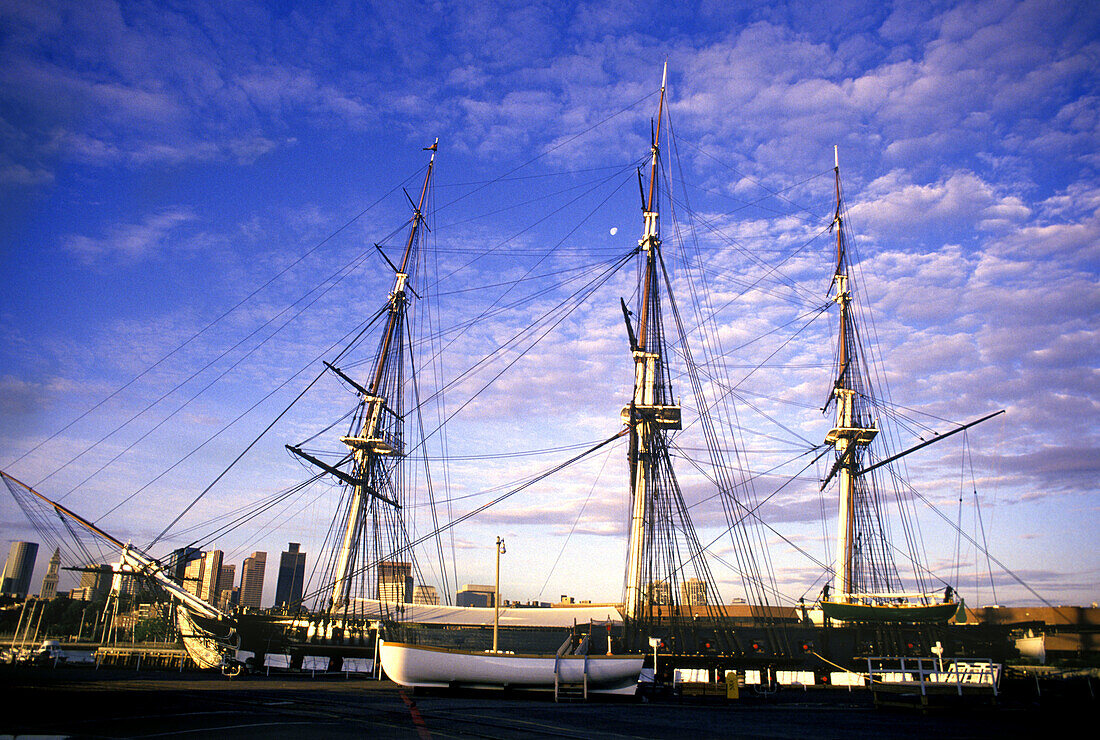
(693, 592)
(18, 569)
(395, 583)
(211, 576)
(49, 581)
(121, 580)
(227, 578)
(178, 562)
(425, 595)
(228, 598)
(192, 574)
(292, 573)
(225, 584)
(659, 592)
(95, 581)
(252, 580)
(473, 594)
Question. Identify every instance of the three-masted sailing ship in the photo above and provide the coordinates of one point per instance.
(670, 595)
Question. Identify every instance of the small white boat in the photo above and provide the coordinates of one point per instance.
(423, 666)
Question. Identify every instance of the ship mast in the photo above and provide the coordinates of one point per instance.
(648, 414)
(849, 435)
(379, 437)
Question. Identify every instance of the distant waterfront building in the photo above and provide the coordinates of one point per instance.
(19, 568)
(395, 583)
(292, 574)
(425, 595)
(473, 594)
(211, 576)
(49, 581)
(226, 588)
(95, 581)
(693, 592)
(178, 562)
(659, 592)
(228, 598)
(121, 581)
(192, 575)
(252, 580)
(227, 578)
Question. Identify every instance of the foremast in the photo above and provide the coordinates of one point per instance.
(853, 432)
(651, 411)
(378, 443)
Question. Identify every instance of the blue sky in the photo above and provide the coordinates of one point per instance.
(161, 163)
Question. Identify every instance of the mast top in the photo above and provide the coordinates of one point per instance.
(655, 145)
(836, 157)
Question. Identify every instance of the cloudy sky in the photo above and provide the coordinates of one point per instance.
(191, 194)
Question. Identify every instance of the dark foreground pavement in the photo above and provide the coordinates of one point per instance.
(112, 703)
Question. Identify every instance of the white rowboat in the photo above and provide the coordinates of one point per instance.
(423, 666)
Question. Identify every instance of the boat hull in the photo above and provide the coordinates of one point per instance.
(922, 614)
(206, 648)
(421, 666)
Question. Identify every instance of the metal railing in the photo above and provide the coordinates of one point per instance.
(934, 674)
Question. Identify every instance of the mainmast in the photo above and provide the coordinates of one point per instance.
(650, 412)
(378, 441)
(851, 433)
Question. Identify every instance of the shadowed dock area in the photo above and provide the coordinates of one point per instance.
(119, 703)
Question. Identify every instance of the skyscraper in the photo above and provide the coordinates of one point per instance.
(49, 581)
(95, 581)
(179, 560)
(18, 569)
(226, 580)
(252, 580)
(395, 581)
(192, 575)
(211, 575)
(292, 573)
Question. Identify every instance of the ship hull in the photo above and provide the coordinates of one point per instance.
(794, 645)
(207, 644)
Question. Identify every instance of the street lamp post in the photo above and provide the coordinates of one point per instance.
(496, 593)
(654, 642)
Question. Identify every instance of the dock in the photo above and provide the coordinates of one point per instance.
(118, 702)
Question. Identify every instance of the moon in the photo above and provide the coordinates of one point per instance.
(614, 230)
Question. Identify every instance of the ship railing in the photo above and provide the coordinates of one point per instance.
(934, 674)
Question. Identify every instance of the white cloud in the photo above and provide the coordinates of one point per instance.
(152, 237)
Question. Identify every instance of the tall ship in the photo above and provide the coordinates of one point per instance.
(394, 519)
